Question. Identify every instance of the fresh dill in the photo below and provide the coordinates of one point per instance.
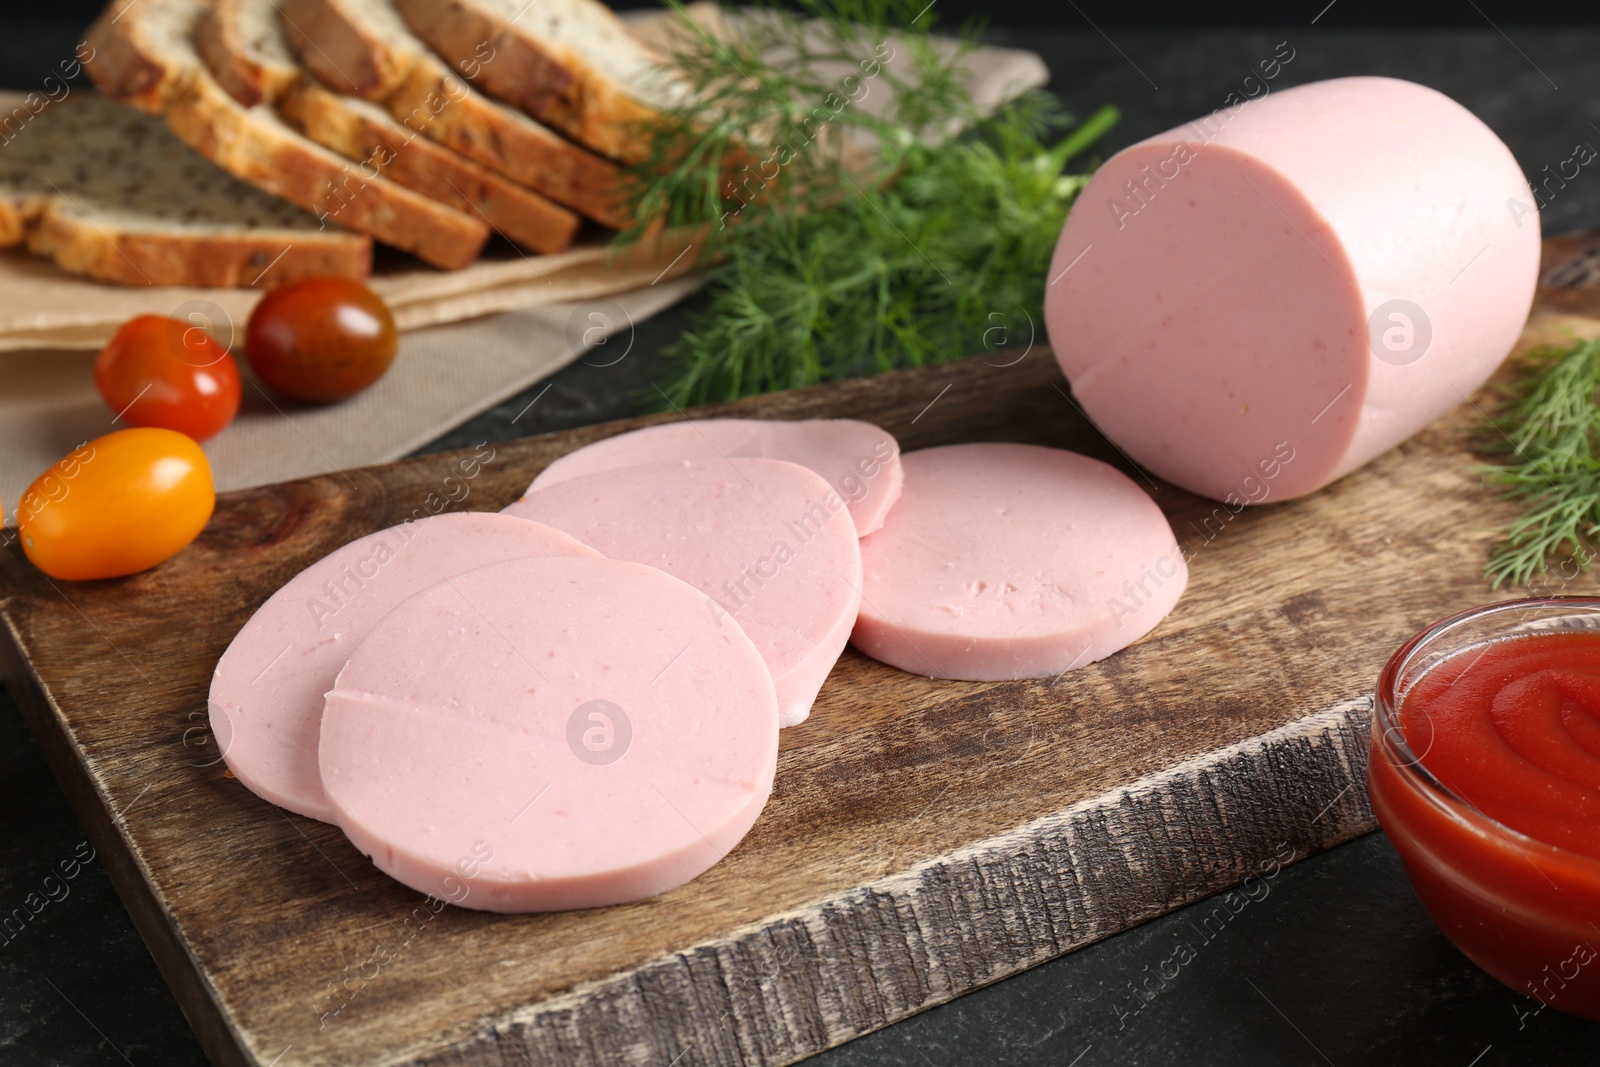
(852, 239)
(1550, 425)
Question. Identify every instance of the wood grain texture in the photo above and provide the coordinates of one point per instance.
(924, 838)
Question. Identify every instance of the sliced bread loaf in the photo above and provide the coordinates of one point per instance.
(133, 37)
(570, 63)
(363, 47)
(245, 46)
(112, 194)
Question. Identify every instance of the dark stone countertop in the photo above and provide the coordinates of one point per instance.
(1336, 964)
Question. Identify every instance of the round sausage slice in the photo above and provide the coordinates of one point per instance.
(551, 733)
(1010, 561)
(861, 461)
(767, 542)
(266, 693)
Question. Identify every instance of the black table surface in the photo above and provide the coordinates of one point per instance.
(1336, 964)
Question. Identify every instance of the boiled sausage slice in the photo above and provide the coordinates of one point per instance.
(768, 543)
(266, 693)
(1013, 561)
(550, 733)
(1261, 301)
(861, 461)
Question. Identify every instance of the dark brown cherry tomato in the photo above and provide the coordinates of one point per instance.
(168, 374)
(321, 339)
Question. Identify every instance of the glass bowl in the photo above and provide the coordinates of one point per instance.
(1525, 911)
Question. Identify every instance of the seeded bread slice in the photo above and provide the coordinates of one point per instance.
(363, 131)
(364, 48)
(570, 63)
(245, 46)
(130, 58)
(361, 49)
(110, 193)
(133, 37)
(245, 50)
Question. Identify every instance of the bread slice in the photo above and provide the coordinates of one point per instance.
(112, 194)
(438, 104)
(570, 63)
(363, 47)
(244, 48)
(131, 63)
(363, 131)
(131, 38)
(351, 47)
(244, 43)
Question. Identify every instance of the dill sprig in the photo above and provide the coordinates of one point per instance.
(775, 107)
(868, 241)
(944, 262)
(1551, 426)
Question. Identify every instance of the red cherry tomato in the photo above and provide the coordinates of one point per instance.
(169, 374)
(321, 339)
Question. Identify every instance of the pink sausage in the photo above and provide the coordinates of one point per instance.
(861, 461)
(1013, 561)
(1255, 304)
(550, 733)
(266, 693)
(768, 543)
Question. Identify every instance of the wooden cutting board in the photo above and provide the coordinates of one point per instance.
(924, 838)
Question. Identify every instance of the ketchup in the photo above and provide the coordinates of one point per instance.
(1506, 856)
(1513, 728)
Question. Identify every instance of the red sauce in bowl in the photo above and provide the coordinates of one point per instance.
(1485, 774)
(1513, 728)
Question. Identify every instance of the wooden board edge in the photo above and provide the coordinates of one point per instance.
(797, 985)
(198, 1000)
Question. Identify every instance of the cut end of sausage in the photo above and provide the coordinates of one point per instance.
(1213, 328)
(1260, 301)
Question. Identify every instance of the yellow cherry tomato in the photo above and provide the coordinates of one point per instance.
(118, 505)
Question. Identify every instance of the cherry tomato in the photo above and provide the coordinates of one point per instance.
(118, 505)
(165, 372)
(321, 339)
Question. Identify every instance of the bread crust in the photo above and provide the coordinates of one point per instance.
(516, 213)
(125, 64)
(336, 46)
(221, 41)
(547, 79)
(18, 212)
(243, 143)
(154, 258)
(434, 102)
